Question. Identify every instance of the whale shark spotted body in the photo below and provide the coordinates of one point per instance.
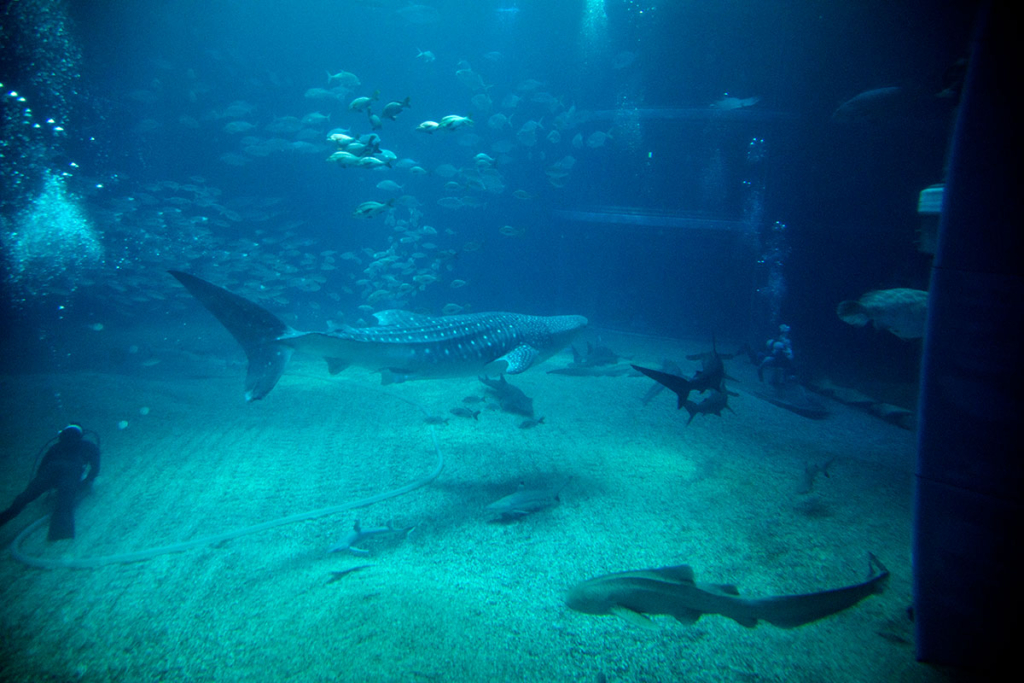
(403, 346)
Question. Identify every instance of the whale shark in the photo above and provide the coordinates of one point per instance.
(403, 346)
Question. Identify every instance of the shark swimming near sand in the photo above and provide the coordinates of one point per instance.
(709, 377)
(359, 534)
(674, 591)
(404, 346)
(525, 501)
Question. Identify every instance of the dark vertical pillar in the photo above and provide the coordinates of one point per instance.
(968, 577)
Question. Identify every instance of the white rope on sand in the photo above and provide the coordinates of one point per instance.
(147, 554)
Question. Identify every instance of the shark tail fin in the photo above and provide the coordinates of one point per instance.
(256, 329)
(680, 385)
(876, 570)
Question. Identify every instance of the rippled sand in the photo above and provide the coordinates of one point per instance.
(461, 598)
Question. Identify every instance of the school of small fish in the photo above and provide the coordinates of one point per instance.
(463, 163)
(499, 145)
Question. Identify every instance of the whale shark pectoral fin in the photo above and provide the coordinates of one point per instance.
(634, 618)
(517, 360)
(336, 365)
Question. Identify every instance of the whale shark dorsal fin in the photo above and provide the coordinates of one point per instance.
(394, 317)
(634, 618)
(517, 360)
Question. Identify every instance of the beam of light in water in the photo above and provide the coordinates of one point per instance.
(627, 123)
(593, 30)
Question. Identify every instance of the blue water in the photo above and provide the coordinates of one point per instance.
(674, 171)
(144, 92)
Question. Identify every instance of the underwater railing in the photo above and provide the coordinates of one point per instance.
(619, 215)
(150, 553)
(700, 114)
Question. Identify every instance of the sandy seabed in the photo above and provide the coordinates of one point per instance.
(462, 598)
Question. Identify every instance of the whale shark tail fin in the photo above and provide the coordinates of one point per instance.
(255, 328)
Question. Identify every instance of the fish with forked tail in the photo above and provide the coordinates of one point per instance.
(811, 472)
(714, 403)
(710, 376)
(668, 366)
(680, 385)
(511, 398)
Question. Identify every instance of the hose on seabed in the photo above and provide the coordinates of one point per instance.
(141, 555)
